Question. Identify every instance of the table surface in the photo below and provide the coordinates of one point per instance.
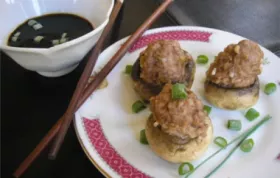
(257, 20)
(31, 104)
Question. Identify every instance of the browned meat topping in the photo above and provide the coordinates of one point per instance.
(182, 118)
(237, 66)
(164, 61)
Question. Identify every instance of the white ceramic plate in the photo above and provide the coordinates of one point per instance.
(109, 132)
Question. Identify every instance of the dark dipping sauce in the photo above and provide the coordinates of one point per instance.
(49, 30)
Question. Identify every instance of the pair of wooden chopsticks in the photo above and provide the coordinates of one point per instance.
(81, 95)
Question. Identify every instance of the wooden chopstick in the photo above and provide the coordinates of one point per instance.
(101, 76)
(54, 130)
(67, 117)
(50, 135)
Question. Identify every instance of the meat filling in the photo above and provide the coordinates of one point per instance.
(183, 118)
(164, 61)
(237, 66)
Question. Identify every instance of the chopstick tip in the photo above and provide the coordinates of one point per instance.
(52, 156)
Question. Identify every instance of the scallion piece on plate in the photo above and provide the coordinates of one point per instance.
(143, 138)
(182, 168)
(138, 106)
(242, 136)
(207, 109)
(128, 69)
(221, 142)
(252, 114)
(247, 145)
(202, 59)
(179, 91)
(270, 88)
(234, 125)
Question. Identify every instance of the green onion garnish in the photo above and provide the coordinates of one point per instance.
(138, 106)
(32, 22)
(202, 59)
(252, 114)
(247, 145)
(143, 138)
(265, 61)
(182, 168)
(207, 109)
(17, 34)
(128, 69)
(270, 88)
(243, 137)
(221, 142)
(37, 26)
(178, 91)
(234, 125)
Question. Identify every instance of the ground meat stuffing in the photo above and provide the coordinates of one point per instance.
(237, 66)
(164, 61)
(183, 118)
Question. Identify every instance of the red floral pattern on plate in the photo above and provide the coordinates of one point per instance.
(107, 152)
(172, 35)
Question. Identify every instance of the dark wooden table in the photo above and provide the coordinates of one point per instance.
(31, 104)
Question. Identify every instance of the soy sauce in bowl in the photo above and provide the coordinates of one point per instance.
(49, 30)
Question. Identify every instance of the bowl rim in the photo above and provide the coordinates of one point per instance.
(66, 44)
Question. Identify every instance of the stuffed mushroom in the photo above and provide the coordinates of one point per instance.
(232, 79)
(162, 62)
(178, 130)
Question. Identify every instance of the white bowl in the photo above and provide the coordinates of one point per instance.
(61, 59)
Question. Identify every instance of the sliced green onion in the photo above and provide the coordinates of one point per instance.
(55, 42)
(265, 61)
(221, 142)
(31, 22)
(243, 137)
(63, 40)
(63, 35)
(270, 88)
(207, 109)
(247, 145)
(252, 114)
(138, 106)
(38, 39)
(143, 138)
(17, 34)
(178, 91)
(37, 26)
(202, 59)
(128, 69)
(182, 168)
(14, 38)
(234, 125)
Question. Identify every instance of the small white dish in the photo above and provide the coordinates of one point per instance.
(109, 132)
(61, 59)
